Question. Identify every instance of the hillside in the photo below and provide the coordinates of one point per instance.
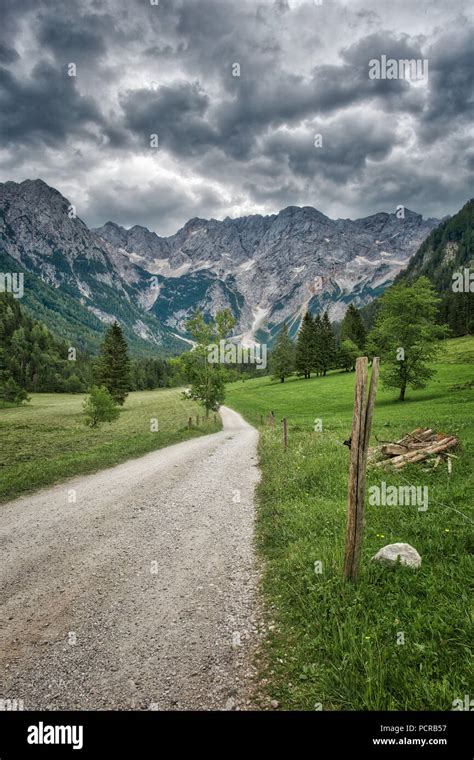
(448, 249)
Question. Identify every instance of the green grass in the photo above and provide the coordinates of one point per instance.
(332, 642)
(46, 440)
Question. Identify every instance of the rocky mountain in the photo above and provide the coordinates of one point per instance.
(40, 234)
(270, 269)
(267, 269)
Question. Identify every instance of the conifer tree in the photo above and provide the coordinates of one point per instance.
(305, 347)
(328, 344)
(353, 327)
(113, 365)
(318, 345)
(283, 356)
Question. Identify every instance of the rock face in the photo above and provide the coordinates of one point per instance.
(266, 269)
(394, 553)
(271, 269)
(40, 232)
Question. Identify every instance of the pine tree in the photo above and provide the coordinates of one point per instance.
(113, 365)
(353, 327)
(318, 344)
(283, 356)
(328, 344)
(305, 347)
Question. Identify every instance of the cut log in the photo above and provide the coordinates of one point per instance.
(419, 456)
(415, 445)
(393, 449)
(410, 436)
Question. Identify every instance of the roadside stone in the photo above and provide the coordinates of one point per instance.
(391, 553)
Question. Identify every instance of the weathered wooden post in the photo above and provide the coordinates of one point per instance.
(285, 433)
(190, 422)
(359, 443)
(271, 420)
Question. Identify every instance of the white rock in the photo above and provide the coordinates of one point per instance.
(390, 554)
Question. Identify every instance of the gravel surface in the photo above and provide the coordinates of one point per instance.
(141, 593)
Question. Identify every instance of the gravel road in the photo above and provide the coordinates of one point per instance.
(141, 593)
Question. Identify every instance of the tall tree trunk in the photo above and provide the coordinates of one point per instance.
(282, 379)
(402, 393)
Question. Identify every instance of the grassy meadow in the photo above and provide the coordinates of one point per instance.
(46, 440)
(399, 638)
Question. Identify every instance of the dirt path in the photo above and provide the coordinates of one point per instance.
(141, 593)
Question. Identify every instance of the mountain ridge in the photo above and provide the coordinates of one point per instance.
(267, 269)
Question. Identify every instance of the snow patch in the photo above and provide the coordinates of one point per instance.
(186, 340)
(259, 315)
(246, 265)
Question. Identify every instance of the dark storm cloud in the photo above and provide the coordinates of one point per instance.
(44, 107)
(346, 146)
(451, 95)
(226, 142)
(7, 54)
(84, 42)
(175, 113)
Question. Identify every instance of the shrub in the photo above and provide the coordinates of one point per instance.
(11, 391)
(99, 407)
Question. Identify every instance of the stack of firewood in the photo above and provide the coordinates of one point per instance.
(413, 447)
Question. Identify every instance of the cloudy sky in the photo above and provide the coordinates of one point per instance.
(230, 145)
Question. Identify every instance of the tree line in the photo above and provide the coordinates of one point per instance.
(405, 335)
(32, 359)
(317, 349)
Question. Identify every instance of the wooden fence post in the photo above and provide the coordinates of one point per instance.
(190, 422)
(361, 425)
(285, 433)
